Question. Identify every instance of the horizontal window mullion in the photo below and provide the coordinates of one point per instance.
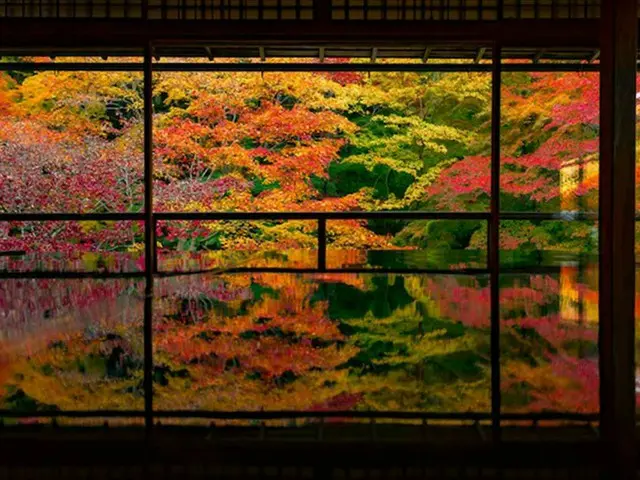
(418, 215)
(69, 217)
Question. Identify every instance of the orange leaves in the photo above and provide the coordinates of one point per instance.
(274, 124)
(270, 355)
(552, 125)
(209, 110)
(256, 130)
(345, 234)
(294, 165)
(82, 103)
(275, 336)
(7, 95)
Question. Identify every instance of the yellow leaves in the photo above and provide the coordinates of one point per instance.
(227, 391)
(8, 94)
(137, 247)
(427, 345)
(374, 158)
(53, 375)
(90, 261)
(73, 101)
(177, 87)
(316, 91)
(90, 226)
(354, 234)
(406, 391)
(460, 89)
(71, 393)
(539, 377)
(413, 130)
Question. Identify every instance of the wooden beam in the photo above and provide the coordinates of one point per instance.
(374, 54)
(595, 56)
(618, 45)
(494, 243)
(150, 265)
(133, 33)
(321, 54)
(209, 53)
(263, 56)
(322, 244)
(480, 54)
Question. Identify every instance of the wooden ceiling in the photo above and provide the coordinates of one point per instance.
(407, 10)
(416, 30)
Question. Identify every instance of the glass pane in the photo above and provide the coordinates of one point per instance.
(549, 340)
(402, 244)
(207, 245)
(233, 141)
(71, 142)
(85, 246)
(71, 345)
(550, 141)
(322, 342)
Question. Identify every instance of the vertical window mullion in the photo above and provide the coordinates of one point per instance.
(149, 238)
(494, 242)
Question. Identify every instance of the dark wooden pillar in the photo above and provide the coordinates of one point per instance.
(149, 237)
(618, 44)
(494, 240)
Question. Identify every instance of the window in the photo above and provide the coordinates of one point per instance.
(320, 241)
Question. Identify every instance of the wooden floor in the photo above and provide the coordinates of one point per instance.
(340, 451)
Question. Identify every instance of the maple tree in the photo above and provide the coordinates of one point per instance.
(549, 122)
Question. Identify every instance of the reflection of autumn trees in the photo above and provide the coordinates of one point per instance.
(549, 341)
(312, 342)
(272, 348)
(275, 341)
(71, 344)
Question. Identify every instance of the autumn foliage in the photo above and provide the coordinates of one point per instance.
(245, 142)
